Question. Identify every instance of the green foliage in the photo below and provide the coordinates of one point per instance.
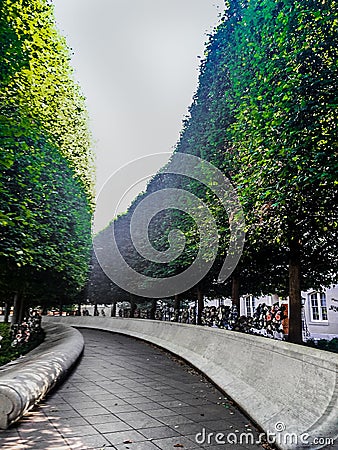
(46, 177)
(39, 87)
(324, 344)
(265, 113)
(46, 222)
(282, 61)
(8, 352)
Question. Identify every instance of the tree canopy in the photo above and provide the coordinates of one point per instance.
(265, 114)
(46, 178)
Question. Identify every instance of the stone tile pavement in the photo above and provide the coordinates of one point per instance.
(126, 394)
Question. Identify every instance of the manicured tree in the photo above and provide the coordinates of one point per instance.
(206, 134)
(101, 289)
(264, 114)
(129, 243)
(45, 158)
(47, 226)
(203, 136)
(38, 86)
(282, 60)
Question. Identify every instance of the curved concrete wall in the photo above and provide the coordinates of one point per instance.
(281, 385)
(26, 380)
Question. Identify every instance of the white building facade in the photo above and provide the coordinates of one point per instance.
(320, 310)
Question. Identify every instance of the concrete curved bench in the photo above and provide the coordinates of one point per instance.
(27, 380)
(285, 388)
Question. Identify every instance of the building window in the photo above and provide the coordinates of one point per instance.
(318, 308)
(250, 305)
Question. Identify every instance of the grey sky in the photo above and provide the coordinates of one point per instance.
(137, 63)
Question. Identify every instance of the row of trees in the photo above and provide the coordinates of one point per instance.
(46, 177)
(265, 114)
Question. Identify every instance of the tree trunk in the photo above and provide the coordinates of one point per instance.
(194, 320)
(16, 308)
(96, 311)
(113, 310)
(235, 297)
(200, 305)
(153, 309)
(133, 307)
(7, 311)
(60, 307)
(22, 309)
(177, 306)
(295, 296)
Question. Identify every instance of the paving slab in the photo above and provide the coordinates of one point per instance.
(127, 394)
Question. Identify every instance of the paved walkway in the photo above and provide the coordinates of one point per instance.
(126, 394)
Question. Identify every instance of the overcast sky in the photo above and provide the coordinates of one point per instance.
(137, 63)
